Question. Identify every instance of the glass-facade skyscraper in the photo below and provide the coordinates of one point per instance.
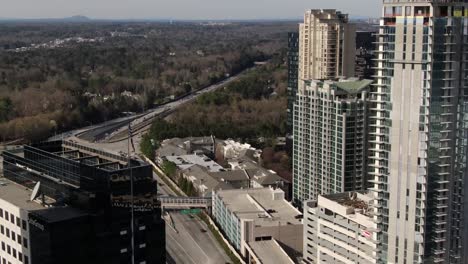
(293, 67)
(88, 218)
(418, 132)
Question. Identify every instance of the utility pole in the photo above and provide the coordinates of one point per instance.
(132, 226)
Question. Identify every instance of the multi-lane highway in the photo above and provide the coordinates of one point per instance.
(116, 130)
(189, 241)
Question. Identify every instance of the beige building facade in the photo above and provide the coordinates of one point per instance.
(327, 46)
(339, 229)
(418, 132)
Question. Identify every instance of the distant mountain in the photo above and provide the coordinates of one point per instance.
(77, 19)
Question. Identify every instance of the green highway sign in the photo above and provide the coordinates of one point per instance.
(190, 211)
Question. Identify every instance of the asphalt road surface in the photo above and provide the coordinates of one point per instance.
(193, 242)
(107, 131)
(188, 243)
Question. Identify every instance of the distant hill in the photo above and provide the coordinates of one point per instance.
(77, 19)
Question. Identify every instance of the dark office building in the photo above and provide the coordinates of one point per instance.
(365, 40)
(293, 75)
(365, 45)
(86, 216)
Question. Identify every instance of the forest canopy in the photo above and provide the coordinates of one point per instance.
(59, 76)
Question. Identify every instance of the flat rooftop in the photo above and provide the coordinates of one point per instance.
(187, 161)
(18, 195)
(355, 200)
(79, 153)
(269, 251)
(267, 207)
(59, 214)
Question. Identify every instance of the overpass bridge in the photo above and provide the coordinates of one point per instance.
(175, 202)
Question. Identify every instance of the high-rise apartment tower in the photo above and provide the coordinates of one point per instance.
(327, 46)
(330, 120)
(418, 132)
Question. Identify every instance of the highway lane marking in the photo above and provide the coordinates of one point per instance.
(183, 249)
(195, 242)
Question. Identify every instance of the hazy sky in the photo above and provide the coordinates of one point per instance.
(181, 9)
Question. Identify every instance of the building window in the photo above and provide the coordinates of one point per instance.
(18, 222)
(1, 213)
(142, 228)
(123, 232)
(26, 260)
(123, 250)
(25, 225)
(142, 245)
(25, 242)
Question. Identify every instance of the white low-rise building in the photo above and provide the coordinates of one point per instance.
(262, 214)
(339, 228)
(14, 223)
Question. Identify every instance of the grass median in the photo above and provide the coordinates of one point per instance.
(218, 237)
(168, 182)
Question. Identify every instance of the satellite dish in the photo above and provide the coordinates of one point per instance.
(352, 196)
(35, 192)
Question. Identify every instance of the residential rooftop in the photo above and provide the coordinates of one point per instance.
(350, 86)
(230, 176)
(353, 86)
(266, 206)
(264, 177)
(187, 161)
(202, 177)
(358, 202)
(185, 146)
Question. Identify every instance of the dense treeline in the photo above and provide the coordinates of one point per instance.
(116, 68)
(250, 108)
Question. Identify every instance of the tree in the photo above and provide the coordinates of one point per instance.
(147, 148)
(169, 168)
(6, 108)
